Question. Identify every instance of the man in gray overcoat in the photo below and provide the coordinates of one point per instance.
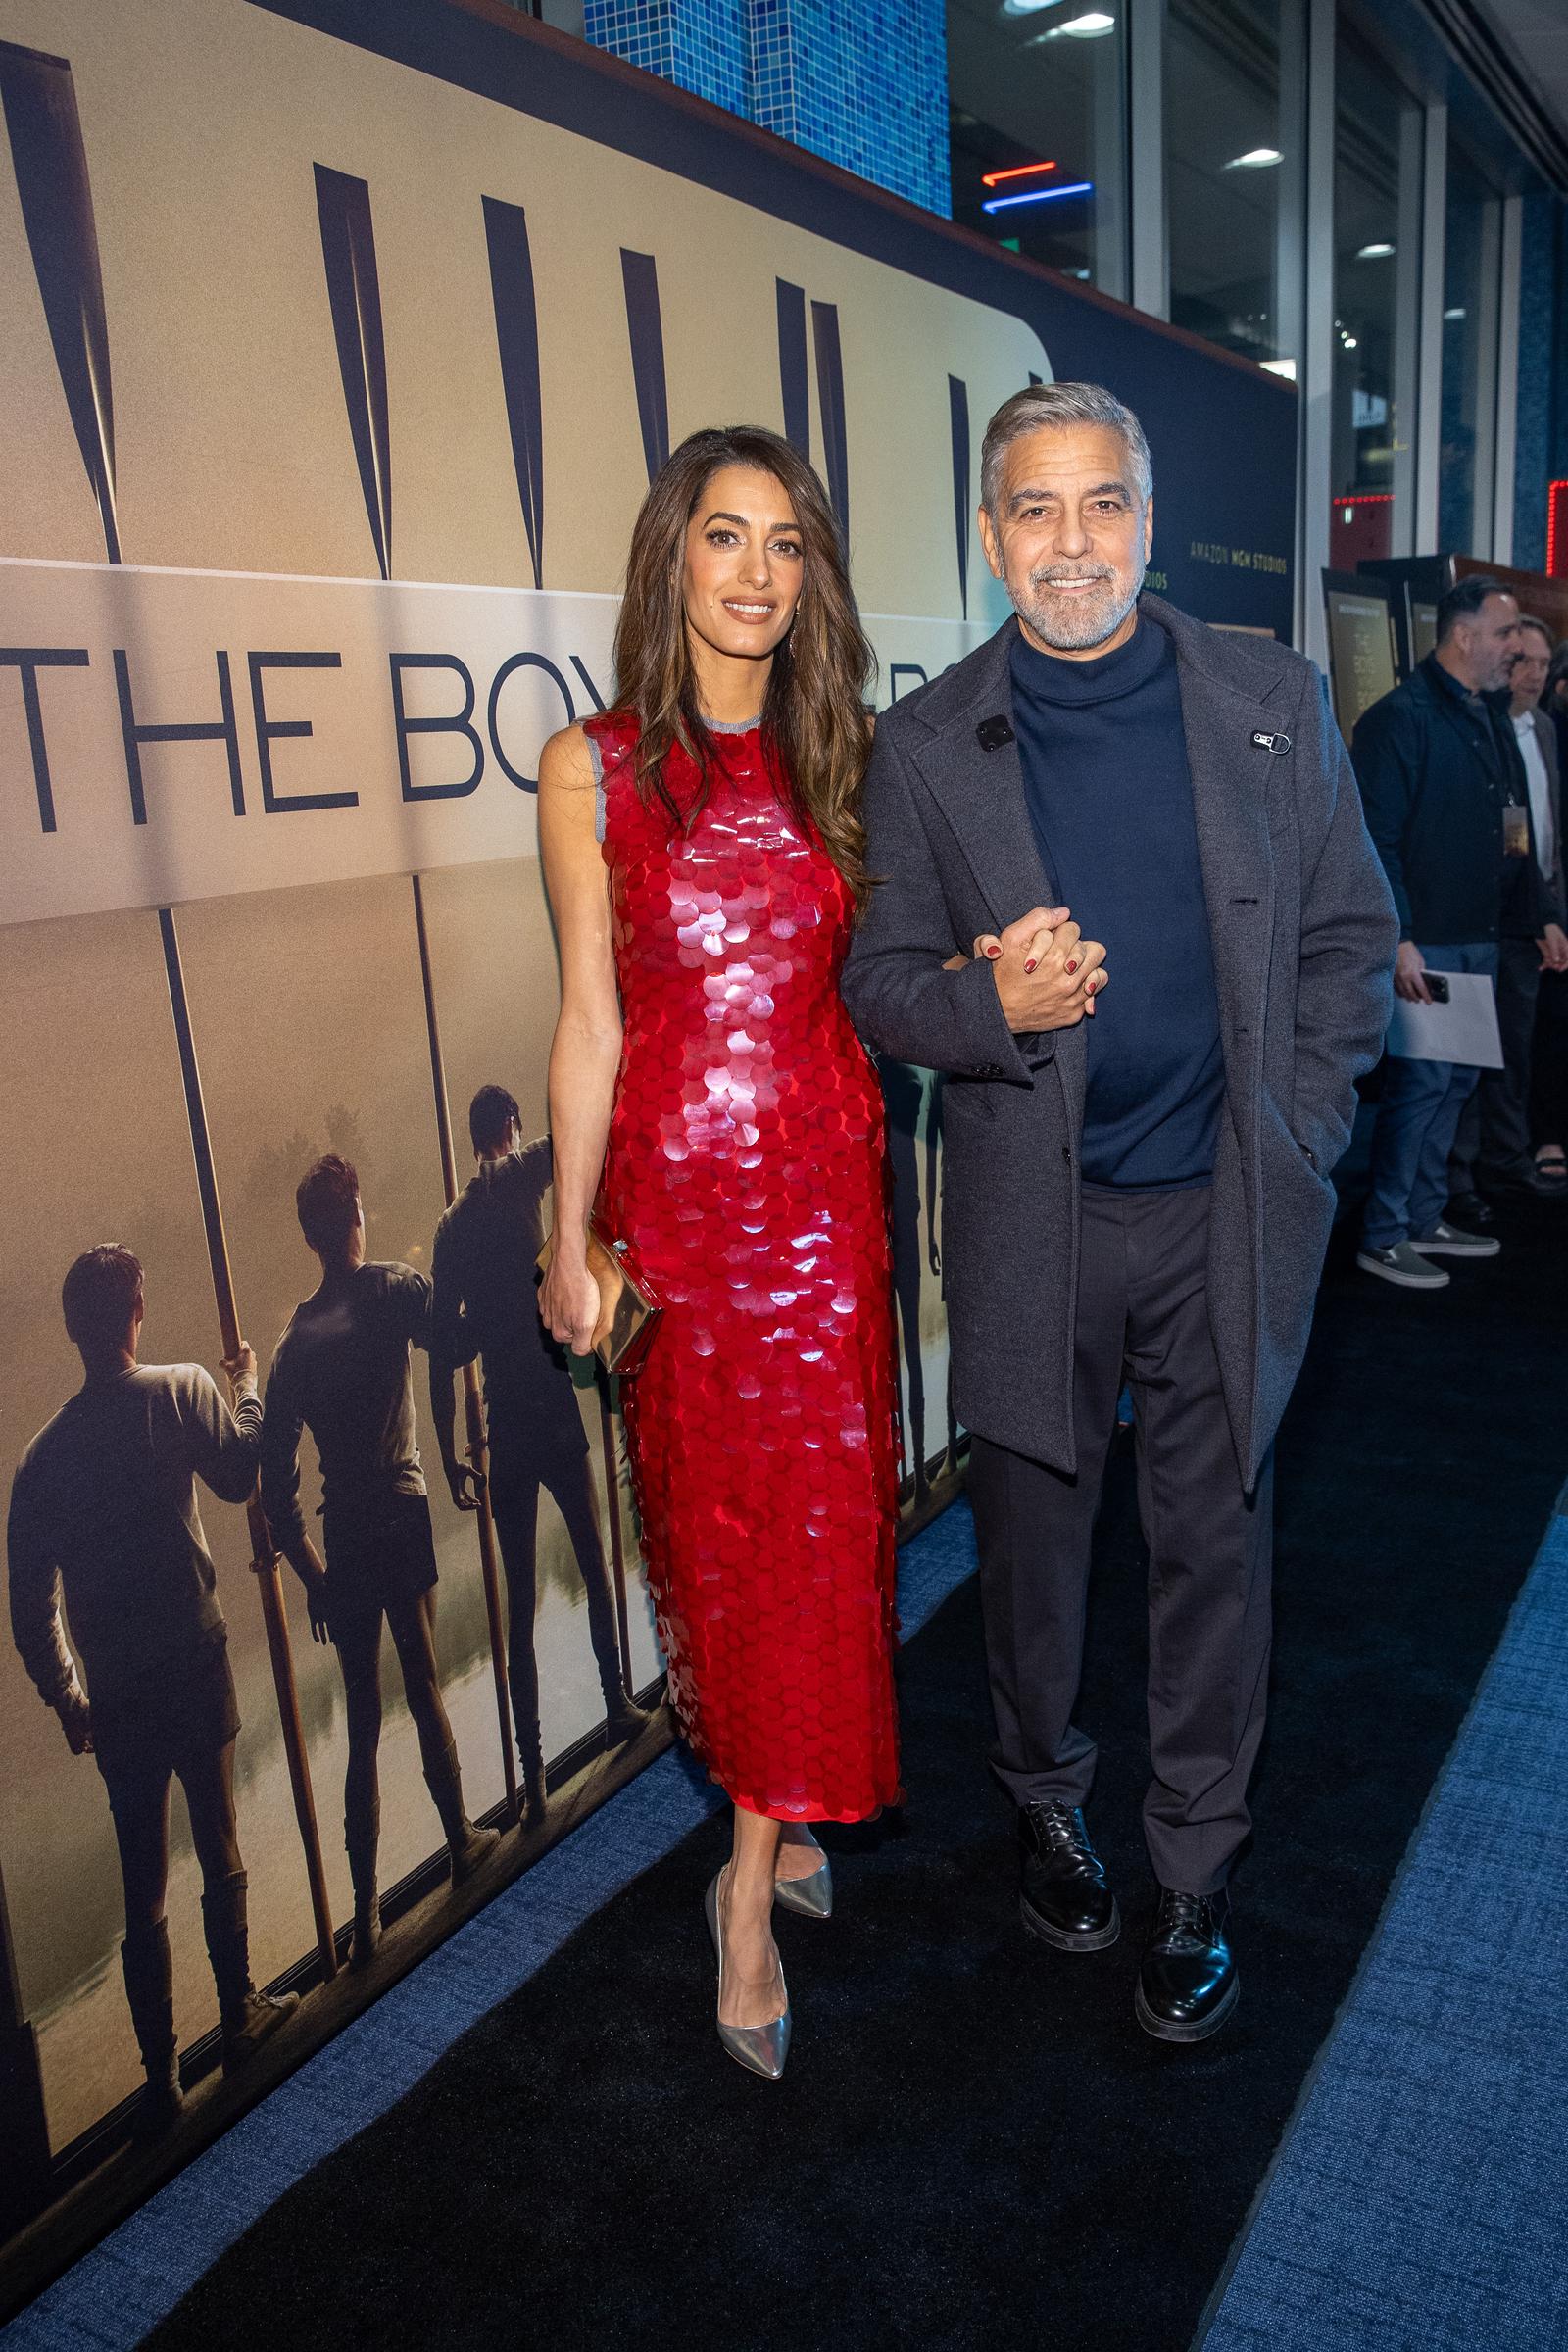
(1129, 906)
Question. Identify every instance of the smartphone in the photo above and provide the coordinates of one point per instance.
(1437, 987)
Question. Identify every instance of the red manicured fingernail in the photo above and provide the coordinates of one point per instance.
(993, 952)
(1072, 968)
(1029, 964)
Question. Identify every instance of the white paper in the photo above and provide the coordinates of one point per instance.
(1464, 1030)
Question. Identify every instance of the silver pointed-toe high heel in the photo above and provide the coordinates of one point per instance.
(812, 1896)
(761, 2049)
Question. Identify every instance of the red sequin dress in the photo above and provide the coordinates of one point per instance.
(746, 1171)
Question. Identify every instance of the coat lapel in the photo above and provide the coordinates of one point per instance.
(981, 792)
(1232, 775)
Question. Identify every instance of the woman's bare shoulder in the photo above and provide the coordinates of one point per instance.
(567, 763)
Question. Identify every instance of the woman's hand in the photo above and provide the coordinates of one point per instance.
(568, 1304)
(1047, 975)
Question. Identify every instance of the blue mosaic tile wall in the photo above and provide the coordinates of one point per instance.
(862, 84)
(702, 45)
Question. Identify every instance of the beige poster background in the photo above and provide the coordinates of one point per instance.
(244, 530)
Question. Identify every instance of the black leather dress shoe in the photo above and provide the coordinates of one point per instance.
(1470, 1213)
(1188, 1984)
(1065, 1900)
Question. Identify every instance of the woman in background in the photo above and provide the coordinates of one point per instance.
(704, 860)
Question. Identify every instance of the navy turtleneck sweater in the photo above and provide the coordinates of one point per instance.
(1110, 798)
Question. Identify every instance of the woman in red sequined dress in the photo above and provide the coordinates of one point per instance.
(705, 862)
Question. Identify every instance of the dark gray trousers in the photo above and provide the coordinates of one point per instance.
(1142, 1311)
(1494, 1133)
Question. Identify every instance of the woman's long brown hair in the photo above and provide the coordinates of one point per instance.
(814, 715)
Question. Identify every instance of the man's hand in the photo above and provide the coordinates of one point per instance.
(306, 1562)
(240, 1368)
(316, 1603)
(1553, 946)
(988, 946)
(467, 1484)
(1047, 975)
(1409, 974)
(75, 1721)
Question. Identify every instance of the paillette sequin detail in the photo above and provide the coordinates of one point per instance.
(746, 1169)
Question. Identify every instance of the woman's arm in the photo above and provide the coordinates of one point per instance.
(586, 1052)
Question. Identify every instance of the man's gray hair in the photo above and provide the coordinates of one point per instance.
(1046, 406)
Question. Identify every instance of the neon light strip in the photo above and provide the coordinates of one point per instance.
(1001, 204)
(1364, 498)
(992, 180)
(1557, 502)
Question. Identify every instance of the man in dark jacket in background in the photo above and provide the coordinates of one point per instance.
(1448, 810)
(1491, 1152)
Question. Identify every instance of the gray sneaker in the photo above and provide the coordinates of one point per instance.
(1404, 1264)
(1451, 1241)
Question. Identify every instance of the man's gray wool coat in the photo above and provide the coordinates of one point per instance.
(1303, 937)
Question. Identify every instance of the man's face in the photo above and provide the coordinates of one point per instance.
(1490, 640)
(1527, 676)
(1070, 539)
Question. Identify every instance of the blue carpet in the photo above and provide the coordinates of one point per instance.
(110, 2299)
(1417, 2202)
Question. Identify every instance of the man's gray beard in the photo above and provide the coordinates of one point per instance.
(1080, 622)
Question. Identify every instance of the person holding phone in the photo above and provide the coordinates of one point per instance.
(1448, 810)
(706, 863)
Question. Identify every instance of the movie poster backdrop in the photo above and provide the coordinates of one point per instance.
(338, 347)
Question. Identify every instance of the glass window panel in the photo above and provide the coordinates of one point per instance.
(566, 15)
(1226, 171)
(1469, 360)
(95, 1146)
(1033, 82)
(1377, 196)
(308, 1008)
(493, 964)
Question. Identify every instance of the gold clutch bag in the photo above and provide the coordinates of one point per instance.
(628, 1311)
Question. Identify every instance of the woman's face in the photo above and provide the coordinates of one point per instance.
(744, 563)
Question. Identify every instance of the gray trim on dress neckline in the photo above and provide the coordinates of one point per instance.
(717, 726)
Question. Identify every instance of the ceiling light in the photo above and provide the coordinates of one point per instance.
(1285, 367)
(1003, 204)
(1458, 314)
(1026, 8)
(1373, 253)
(1256, 159)
(1089, 28)
(1350, 343)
